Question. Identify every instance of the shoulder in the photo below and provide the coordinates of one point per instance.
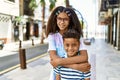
(54, 36)
(51, 35)
(82, 45)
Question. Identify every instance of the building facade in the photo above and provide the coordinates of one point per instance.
(8, 10)
(109, 16)
(17, 21)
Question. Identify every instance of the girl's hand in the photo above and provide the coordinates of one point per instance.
(84, 67)
(55, 62)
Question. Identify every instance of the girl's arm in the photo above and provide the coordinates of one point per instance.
(54, 58)
(58, 77)
(83, 57)
(53, 54)
(84, 67)
(79, 65)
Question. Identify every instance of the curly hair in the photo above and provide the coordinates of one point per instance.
(74, 21)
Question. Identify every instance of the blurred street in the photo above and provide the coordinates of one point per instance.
(105, 61)
(10, 55)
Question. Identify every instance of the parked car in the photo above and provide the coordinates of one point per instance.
(1, 44)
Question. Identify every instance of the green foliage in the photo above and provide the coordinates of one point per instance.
(33, 4)
(18, 19)
(52, 4)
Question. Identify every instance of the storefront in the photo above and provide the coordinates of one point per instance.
(112, 21)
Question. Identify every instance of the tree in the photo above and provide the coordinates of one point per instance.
(43, 4)
(33, 5)
(43, 19)
(67, 3)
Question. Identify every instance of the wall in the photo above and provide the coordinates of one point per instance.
(10, 8)
(8, 11)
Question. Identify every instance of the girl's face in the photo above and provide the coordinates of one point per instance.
(71, 46)
(63, 21)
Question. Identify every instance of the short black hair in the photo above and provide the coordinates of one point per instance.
(71, 33)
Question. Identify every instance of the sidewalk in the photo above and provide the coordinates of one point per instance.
(105, 61)
(36, 70)
(108, 62)
(12, 48)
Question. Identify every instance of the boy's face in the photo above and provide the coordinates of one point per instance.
(71, 46)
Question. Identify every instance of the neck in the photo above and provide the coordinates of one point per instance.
(62, 31)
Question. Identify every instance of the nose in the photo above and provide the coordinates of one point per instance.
(62, 20)
(70, 48)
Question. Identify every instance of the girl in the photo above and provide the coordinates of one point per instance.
(60, 20)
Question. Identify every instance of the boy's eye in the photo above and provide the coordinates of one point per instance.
(67, 45)
(73, 44)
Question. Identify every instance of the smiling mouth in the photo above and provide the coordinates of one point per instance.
(62, 27)
(70, 52)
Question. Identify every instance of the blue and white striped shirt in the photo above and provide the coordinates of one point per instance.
(71, 74)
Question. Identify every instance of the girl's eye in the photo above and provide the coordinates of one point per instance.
(62, 19)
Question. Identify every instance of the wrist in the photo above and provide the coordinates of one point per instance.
(60, 62)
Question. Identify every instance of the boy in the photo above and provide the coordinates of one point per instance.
(71, 41)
